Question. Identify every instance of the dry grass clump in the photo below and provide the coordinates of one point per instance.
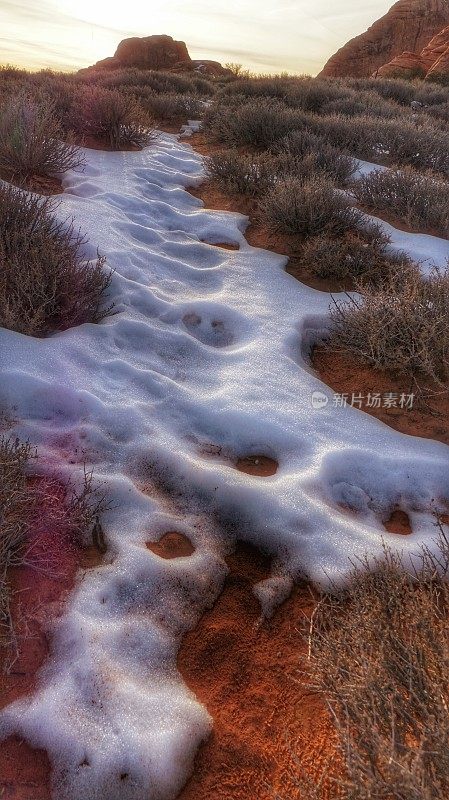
(32, 140)
(112, 116)
(15, 509)
(400, 325)
(45, 283)
(308, 208)
(421, 201)
(358, 255)
(37, 518)
(379, 653)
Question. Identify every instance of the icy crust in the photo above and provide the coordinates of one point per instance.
(204, 361)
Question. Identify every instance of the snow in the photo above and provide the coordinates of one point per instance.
(203, 361)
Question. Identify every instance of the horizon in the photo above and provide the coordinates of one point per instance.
(68, 35)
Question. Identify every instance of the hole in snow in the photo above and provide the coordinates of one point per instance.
(124, 776)
(224, 245)
(213, 332)
(261, 466)
(172, 545)
(399, 523)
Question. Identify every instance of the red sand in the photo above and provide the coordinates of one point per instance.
(24, 772)
(172, 545)
(399, 523)
(245, 671)
(262, 466)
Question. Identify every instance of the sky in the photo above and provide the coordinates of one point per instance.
(296, 36)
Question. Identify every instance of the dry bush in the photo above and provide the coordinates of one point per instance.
(242, 174)
(37, 518)
(360, 255)
(45, 284)
(316, 156)
(112, 116)
(168, 106)
(308, 208)
(32, 140)
(400, 325)
(420, 200)
(252, 124)
(379, 653)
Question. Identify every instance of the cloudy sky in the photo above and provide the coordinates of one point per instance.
(263, 35)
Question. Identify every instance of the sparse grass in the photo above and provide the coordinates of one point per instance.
(308, 208)
(400, 325)
(112, 116)
(32, 141)
(360, 255)
(37, 518)
(45, 283)
(421, 201)
(379, 654)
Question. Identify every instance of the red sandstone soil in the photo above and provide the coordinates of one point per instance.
(172, 545)
(37, 596)
(262, 466)
(429, 417)
(41, 184)
(245, 670)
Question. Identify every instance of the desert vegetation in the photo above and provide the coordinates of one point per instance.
(46, 283)
(419, 200)
(113, 117)
(378, 651)
(399, 325)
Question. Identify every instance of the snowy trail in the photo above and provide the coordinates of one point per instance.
(206, 352)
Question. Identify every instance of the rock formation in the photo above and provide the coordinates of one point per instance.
(406, 28)
(157, 53)
(432, 63)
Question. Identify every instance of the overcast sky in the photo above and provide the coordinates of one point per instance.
(263, 35)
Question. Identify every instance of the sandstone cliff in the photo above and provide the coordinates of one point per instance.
(407, 27)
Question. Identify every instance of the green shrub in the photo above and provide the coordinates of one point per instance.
(45, 283)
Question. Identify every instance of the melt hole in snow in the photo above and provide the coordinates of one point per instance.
(172, 545)
(261, 466)
(224, 245)
(399, 523)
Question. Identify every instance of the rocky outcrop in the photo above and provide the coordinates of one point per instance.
(157, 53)
(406, 28)
(432, 63)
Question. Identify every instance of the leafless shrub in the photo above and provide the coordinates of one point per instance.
(171, 107)
(400, 325)
(379, 653)
(360, 255)
(311, 154)
(32, 140)
(45, 283)
(242, 174)
(422, 201)
(113, 116)
(308, 208)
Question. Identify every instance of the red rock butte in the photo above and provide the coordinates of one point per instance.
(157, 53)
(404, 33)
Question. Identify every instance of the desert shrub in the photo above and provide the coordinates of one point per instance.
(252, 124)
(316, 155)
(308, 208)
(400, 325)
(378, 652)
(360, 255)
(420, 200)
(113, 116)
(171, 107)
(242, 174)
(32, 141)
(45, 283)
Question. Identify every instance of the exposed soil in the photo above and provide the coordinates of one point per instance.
(262, 466)
(172, 545)
(37, 595)
(397, 222)
(224, 245)
(245, 671)
(257, 235)
(40, 184)
(428, 418)
(399, 523)
(99, 143)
